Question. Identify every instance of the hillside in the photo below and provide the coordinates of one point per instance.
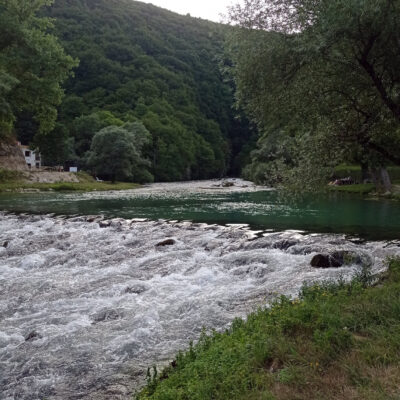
(141, 62)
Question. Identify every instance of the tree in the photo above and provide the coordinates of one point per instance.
(326, 71)
(32, 65)
(55, 148)
(85, 127)
(115, 153)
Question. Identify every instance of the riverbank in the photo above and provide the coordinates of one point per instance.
(369, 190)
(337, 341)
(88, 303)
(45, 181)
(366, 189)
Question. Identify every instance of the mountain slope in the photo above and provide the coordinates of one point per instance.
(138, 61)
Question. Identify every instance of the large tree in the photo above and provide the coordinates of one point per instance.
(116, 153)
(325, 73)
(32, 65)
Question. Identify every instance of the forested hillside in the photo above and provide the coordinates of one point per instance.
(138, 62)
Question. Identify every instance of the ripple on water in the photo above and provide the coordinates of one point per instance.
(85, 309)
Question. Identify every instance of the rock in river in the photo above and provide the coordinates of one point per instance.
(336, 259)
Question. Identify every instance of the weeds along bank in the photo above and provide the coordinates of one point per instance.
(36, 181)
(337, 341)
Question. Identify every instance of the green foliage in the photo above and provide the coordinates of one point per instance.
(323, 75)
(84, 128)
(56, 147)
(115, 153)
(32, 65)
(319, 346)
(139, 62)
(7, 175)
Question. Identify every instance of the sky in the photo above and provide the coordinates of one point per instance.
(207, 9)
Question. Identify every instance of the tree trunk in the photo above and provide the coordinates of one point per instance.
(385, 178)
(381, 179)
(365, 176)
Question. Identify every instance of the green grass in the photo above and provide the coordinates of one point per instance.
(362, 188)
(343, 171)
(67, 186)
(7, 175)
(337, 341)
(13, 181)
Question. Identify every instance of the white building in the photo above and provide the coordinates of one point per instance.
(32, 158)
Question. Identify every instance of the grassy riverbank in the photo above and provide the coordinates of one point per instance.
(354, 171)
(367, 189)
(338, 341)
(14, 181)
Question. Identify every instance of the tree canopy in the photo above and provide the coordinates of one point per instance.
(115, 153)
(142, 63)
(321, 80)
(33, 65)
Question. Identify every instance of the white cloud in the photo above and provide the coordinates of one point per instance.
(207, 9)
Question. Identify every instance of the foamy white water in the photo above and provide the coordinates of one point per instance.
(99, 301)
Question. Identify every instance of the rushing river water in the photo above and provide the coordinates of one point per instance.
(206, 201)
(87, 304)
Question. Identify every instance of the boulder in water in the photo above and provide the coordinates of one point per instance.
(227, 184)
(31, 336)
(168, 242)
(104, 224)
(325, 261)
(284, 244)
(336, 259)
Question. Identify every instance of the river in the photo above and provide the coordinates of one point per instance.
(88, 303)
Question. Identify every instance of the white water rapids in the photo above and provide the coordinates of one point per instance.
(86, 307)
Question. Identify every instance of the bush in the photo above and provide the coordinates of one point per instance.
(7, 175)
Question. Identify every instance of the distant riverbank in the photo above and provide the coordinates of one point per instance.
(47, 181)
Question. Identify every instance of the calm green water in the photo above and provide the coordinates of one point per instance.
(264, 210)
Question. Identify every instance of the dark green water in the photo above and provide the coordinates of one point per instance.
(261, 210)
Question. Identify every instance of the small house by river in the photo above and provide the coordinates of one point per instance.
(32, 157)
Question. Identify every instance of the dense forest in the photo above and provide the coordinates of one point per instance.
(141, 63)
(321, 80)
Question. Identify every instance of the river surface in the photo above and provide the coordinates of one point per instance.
(87, 304)
(207, 201)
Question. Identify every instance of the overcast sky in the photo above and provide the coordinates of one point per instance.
(207, 9)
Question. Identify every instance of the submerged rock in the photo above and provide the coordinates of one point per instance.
(325, 261)
(227, 184)
(336, 259)
(284, 244)
(135, 289)
(104, 224)
(31, 336)
(104, 316)
(168, 242)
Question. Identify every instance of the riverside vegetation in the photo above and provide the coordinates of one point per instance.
(336, 341)
(179, 78)
(132, 63)
(13, 181)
